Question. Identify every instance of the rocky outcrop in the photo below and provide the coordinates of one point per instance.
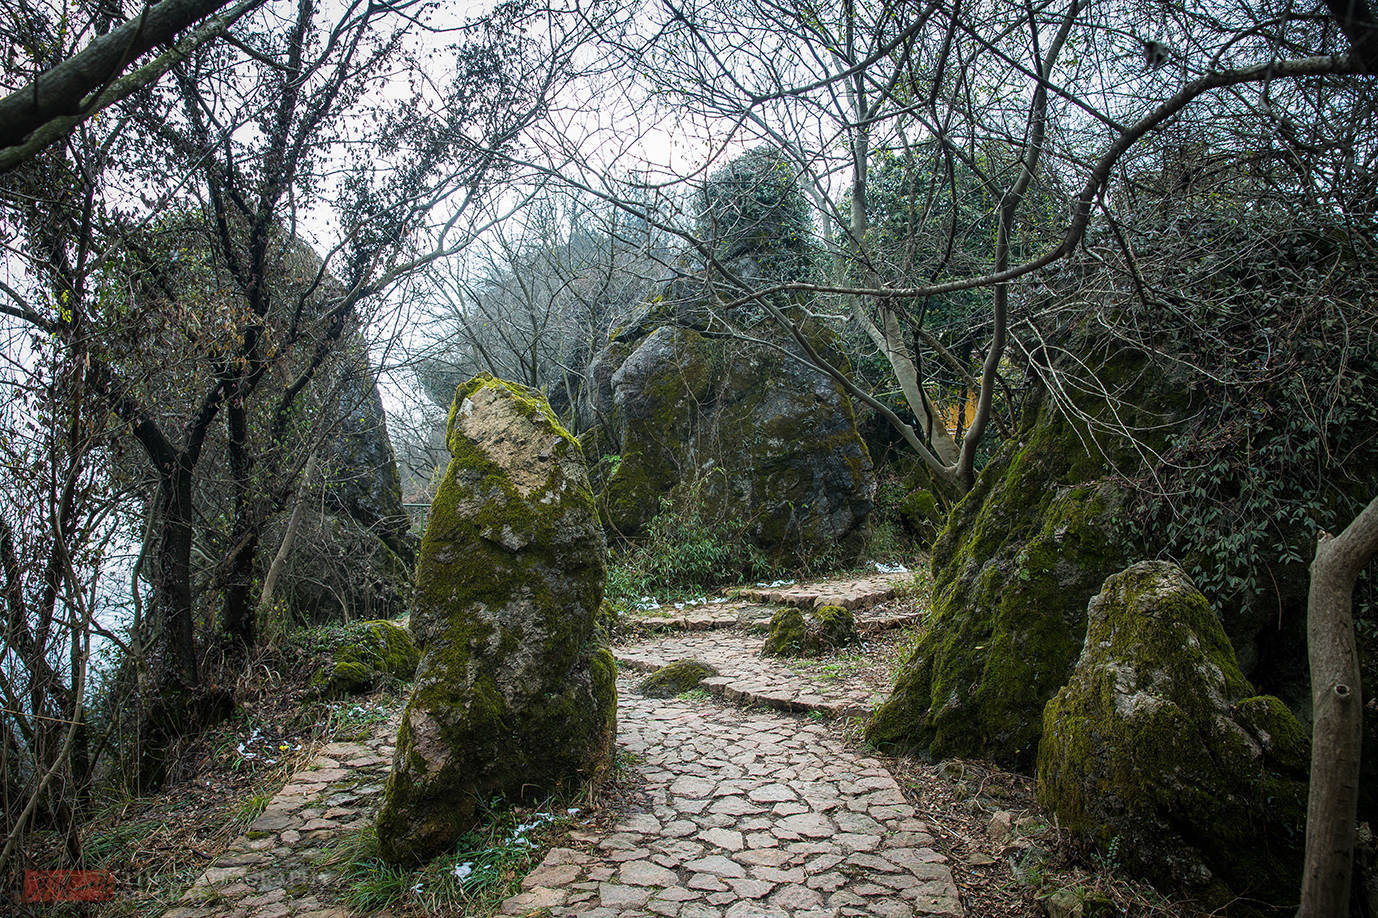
(1159, 745)
(369, 653)
(797, 633)
(1020, 556)
(761, 440)
(364, 483)
(351, 554)
(515, 694)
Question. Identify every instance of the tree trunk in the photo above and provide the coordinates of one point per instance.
(270, 580)
(172, 610)
(1337, 706)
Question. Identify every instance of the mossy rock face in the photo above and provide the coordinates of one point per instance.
(364, 484)
(675, 678)
(371, 652)
(768, 446)
(1159, 745)
(1020, 556)
(795, 633)
(515, 694)
(922, 516)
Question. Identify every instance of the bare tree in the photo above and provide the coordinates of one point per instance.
(1042, 98)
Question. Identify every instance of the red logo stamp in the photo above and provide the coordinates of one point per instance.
(68, 886)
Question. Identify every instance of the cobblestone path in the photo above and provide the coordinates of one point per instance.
(753, 606)
(747, 678)
(754, 815)
(276, 867)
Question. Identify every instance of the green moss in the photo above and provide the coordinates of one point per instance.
(675, 678)
(794, 633)
(368, 653)
(921, 515)
(1151, 744)
(515, 693)
(836, 628)
(352, 678)
(788, 635)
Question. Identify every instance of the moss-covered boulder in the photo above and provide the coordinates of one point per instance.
(674, 678)
(766, 446)
(796, 633)
(1020, 556)
(515, 695)
(1159, 746)
(921, 515)
(368, 653)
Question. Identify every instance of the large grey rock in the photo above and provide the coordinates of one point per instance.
(364, 483)
(759, 437)
(1159, 746)
(515, 694)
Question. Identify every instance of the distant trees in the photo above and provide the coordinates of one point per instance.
(1019, 105)
(534, 300)
(168, 273)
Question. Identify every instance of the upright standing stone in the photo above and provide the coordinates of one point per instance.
(515, 695)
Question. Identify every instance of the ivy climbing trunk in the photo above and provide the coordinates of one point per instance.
(1337, 704)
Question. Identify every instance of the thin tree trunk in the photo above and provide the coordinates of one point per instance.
(270, 580)
(1337, 706)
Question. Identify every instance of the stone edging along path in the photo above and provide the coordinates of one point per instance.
(752, 607)
(274, 869)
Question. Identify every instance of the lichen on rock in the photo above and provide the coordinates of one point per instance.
(674, 678)
(796, 633)
(515, 694)
(1159, 741)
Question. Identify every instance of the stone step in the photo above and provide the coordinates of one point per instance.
(745, 678)
(850, 594)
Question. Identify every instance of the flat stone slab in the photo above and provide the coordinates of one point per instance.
(744, 677)
(754, 607)
(853, 594)
(752, 814)
(275, 868)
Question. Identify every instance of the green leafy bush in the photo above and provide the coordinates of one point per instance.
(680, 552)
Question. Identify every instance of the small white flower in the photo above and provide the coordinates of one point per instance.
(462, 871)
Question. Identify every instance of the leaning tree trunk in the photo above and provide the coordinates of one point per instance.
(1337, 704)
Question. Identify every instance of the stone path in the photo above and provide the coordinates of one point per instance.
(850, 594)
(752, 815)
(276, 867)
(753, 607)
(747, 678)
